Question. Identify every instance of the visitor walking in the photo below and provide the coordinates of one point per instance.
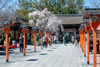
(37, 41)
(55, 39)
(5, 45)
(77, 39)
(44, 41)
(65, 39)
(28, 40)
(73, 39)
(13, 42)
(97, 44)
(91, 43)
(21, 42)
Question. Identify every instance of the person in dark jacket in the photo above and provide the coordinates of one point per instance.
(28, 40)
(64, 39)
(97, 44)
(91, 43)
(67, 38)
(78, 39)
(21, 42)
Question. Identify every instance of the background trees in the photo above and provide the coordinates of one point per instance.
(55, 6)
(23, 7)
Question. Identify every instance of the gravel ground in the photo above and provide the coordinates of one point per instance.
(84, 59)
(15, 55)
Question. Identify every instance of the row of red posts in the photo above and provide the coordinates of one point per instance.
(91, 20)
(6, 27)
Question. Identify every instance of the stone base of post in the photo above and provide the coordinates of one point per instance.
(84, 55)
(6, 60)
(87, 62)
(34, 50)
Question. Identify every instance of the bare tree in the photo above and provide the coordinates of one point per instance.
(95, 3)
(4, 3)
(7, 12)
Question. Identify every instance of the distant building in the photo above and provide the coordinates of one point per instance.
(71, 22)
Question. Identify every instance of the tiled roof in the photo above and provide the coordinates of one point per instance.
(70, 18)
(22, 21)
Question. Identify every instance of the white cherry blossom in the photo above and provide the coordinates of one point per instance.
(45, 19)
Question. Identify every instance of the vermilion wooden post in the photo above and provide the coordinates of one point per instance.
(84, 43)
(6, 47)
(41, 39)
(6, 30)
(16, 36)
(24, 43)
(87, 28)
(94, 25)
(34, 31)
(50, 38)
(34, 40)
(24, 32)
(46, 38)
(88, 43)
(80, 37)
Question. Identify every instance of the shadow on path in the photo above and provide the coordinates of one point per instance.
(54, 48)
(49, 50)
(43, 54)
(32, 60)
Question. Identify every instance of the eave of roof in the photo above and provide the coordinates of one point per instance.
(70, 18)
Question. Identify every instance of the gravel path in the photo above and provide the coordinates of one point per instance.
(15, 55)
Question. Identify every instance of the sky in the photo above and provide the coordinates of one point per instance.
(87, 3)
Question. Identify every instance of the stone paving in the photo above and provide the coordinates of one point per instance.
(58, 55)
(84, 59)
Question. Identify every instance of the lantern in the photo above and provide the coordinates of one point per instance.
(6, 28)
(24, 27)
(94, 12)
(41, 31)
(24, 30)
(35, 28)
(94, 23)
(35, 31)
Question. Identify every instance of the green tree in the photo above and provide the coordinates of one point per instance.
(55, 6)
(68, 10)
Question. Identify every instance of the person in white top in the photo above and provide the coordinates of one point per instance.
(13, 42)
(55, 39)
(44, 41)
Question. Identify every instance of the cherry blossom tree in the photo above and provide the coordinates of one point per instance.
(46, 20)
